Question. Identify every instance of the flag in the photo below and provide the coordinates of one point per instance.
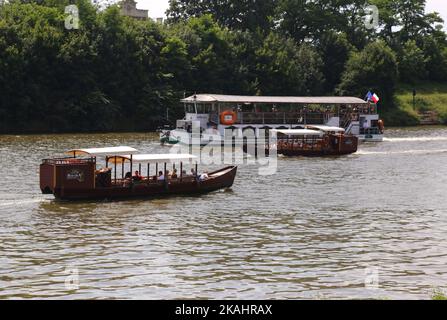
(368, 96)
(375, 98)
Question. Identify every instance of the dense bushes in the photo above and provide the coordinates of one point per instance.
(117, 73)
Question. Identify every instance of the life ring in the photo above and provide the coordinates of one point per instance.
(381, 125)
(228, 118)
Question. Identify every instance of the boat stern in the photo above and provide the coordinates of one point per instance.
(65, 176)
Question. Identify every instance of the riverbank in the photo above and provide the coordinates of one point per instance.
(430, 97)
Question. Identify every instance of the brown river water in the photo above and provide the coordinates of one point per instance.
(368, 225)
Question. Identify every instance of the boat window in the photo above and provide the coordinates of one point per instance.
(204, 108)
(189, 108)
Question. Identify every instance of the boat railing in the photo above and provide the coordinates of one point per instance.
(68, 161)
(147, 181)
(369, 131)
(280, 118)
(300, 142)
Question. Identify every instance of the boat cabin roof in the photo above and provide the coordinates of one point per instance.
(299, 132)
(325, 128)
(216, 98)
(111, 151)
(152, 158)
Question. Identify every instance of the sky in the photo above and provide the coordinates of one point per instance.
(157, 8)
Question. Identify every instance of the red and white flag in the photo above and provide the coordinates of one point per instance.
(375, 98)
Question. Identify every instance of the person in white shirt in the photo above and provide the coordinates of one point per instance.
(161, 176)
(204, 176)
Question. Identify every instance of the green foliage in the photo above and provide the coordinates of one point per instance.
(234, 14)
(372, 69)
(285, 68)
(436, 59)
(438, 294)
(404, 20)
(412, 63)
(335, 50)
(117, 73)
(439, 297)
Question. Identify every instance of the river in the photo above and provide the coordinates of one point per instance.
(368, 225)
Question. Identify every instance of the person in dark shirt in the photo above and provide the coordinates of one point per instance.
(137, 176)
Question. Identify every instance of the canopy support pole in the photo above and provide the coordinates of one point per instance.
(181, 171)
(115, 170)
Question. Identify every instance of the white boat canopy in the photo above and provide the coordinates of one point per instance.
(299, 132)
(216, 98)
(111, 151)
(152, 158)
(325, 128)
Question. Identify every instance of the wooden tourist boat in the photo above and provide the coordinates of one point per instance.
(77, 177)
(314, 141)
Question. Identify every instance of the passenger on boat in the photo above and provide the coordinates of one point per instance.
(193, 172)
(204, 176)
(137, 176)
(161, 176)
(127, 179)
(174, 175)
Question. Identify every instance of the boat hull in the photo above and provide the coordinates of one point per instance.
(221, 179)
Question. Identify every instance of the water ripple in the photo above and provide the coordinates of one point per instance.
(310, 231)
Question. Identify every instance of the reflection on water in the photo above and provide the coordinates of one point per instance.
(310, 231)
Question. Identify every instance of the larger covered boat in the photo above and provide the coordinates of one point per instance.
(213, 114)
(77, 177)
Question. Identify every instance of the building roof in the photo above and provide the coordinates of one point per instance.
(153, 158)
(210, 98)
(110, 151)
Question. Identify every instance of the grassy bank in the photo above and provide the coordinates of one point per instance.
(429, 97)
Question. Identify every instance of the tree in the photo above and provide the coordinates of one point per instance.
(311, 20)
(335, 50)
(208, 53)
(284, 68)
(403, 20)
(411, 63)
(375, 69)
(234, 14)
(436, 59)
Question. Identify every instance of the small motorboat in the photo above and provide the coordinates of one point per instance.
(77, 178)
